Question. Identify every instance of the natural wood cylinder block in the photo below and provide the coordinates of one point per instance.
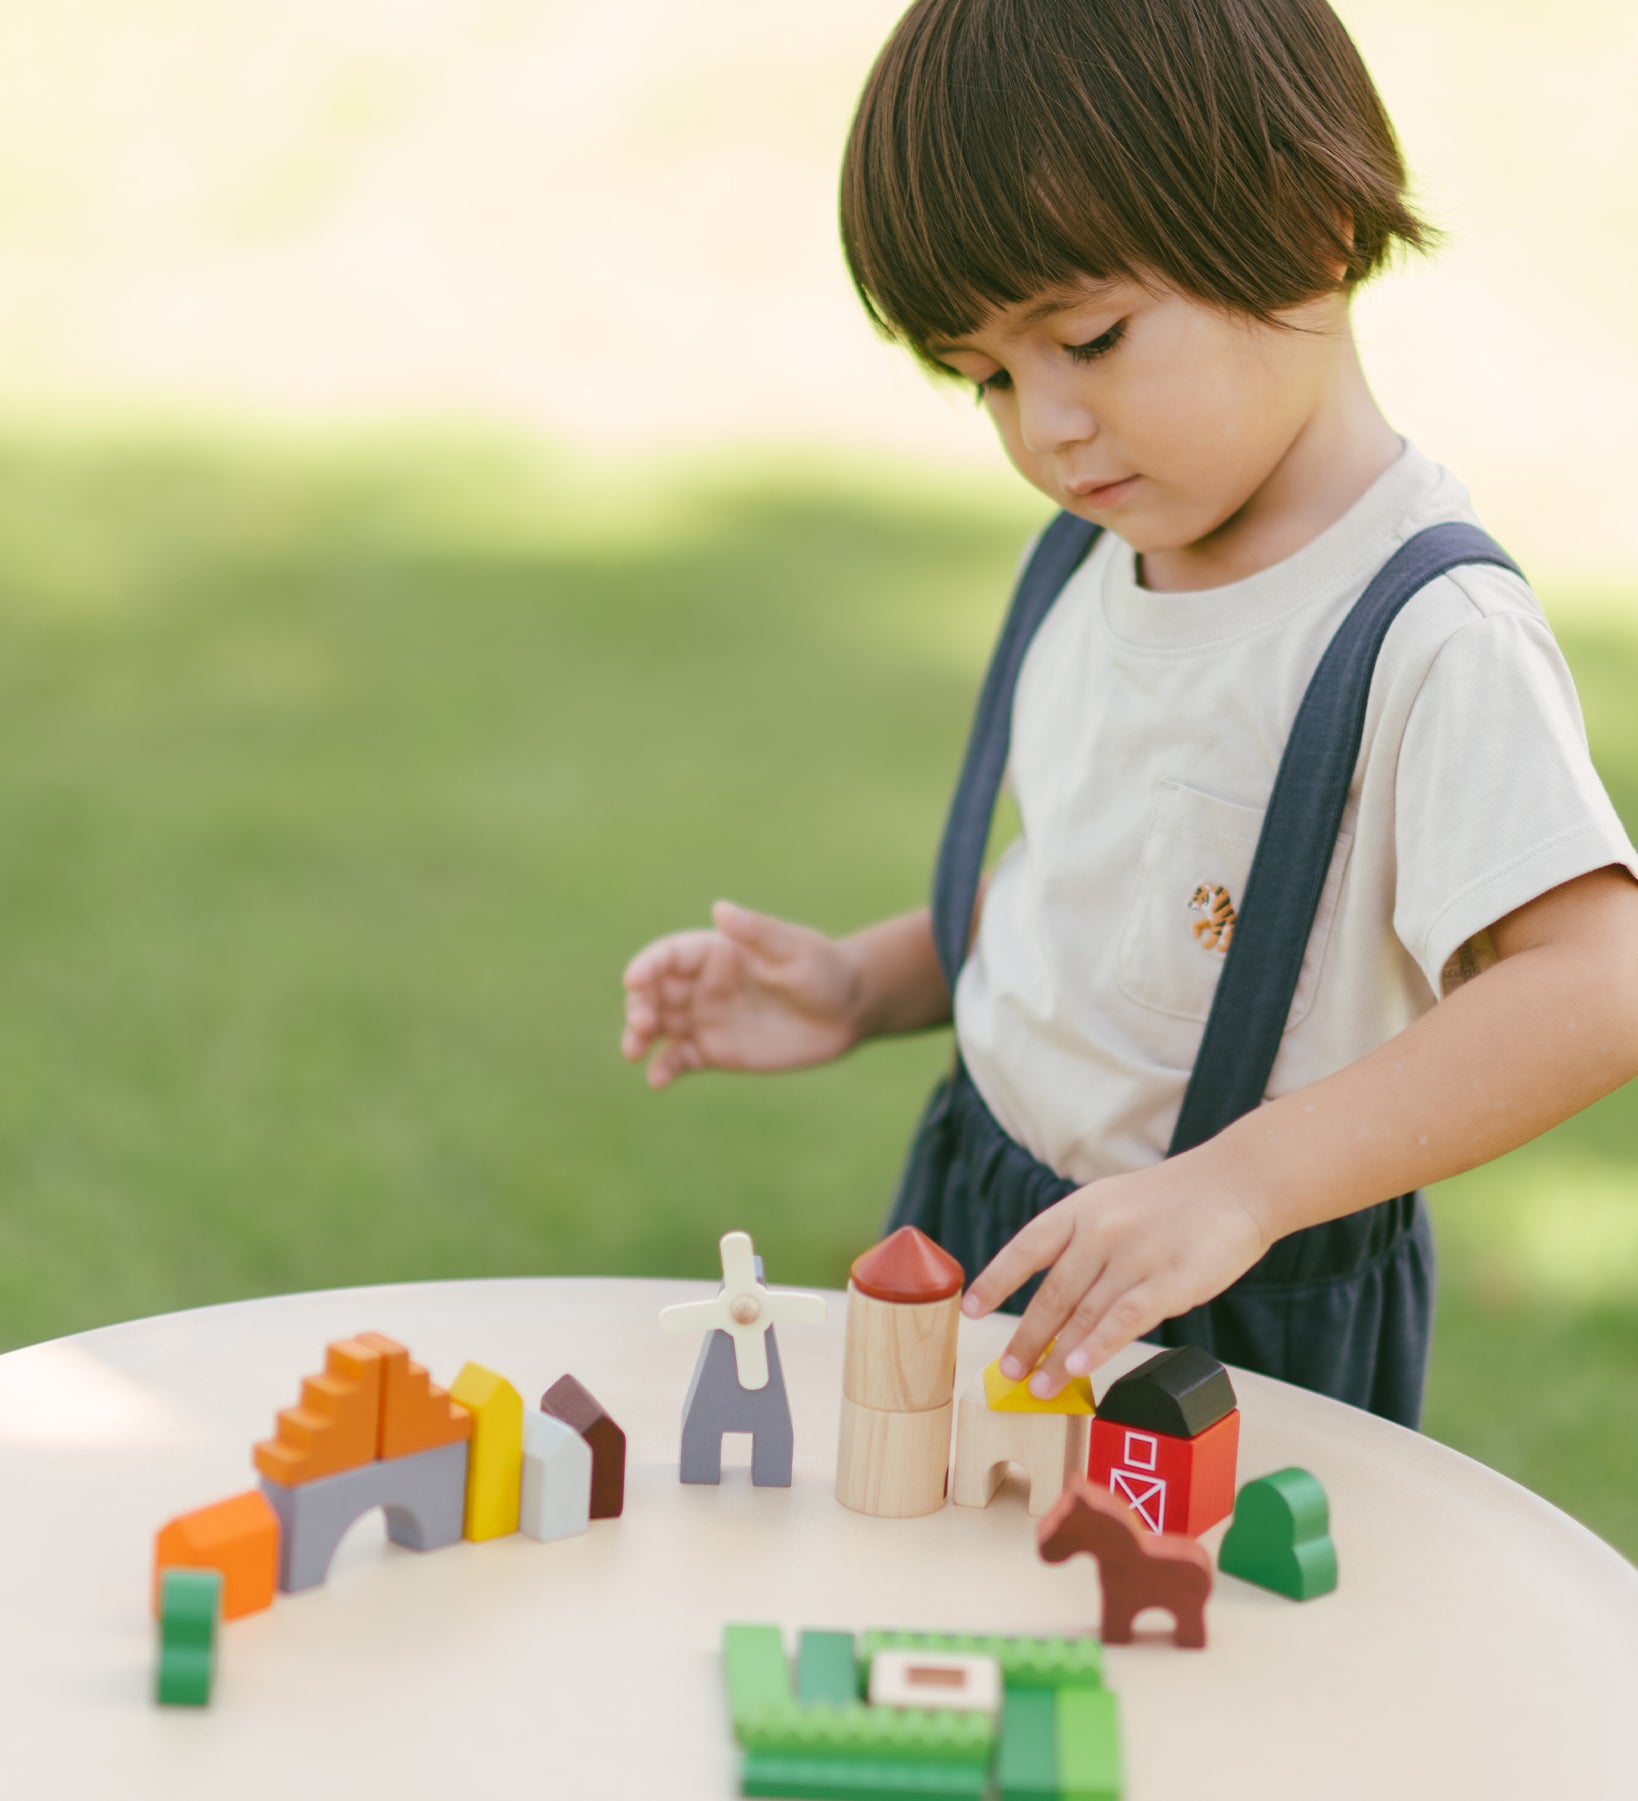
(893, 1465)
(900, 1358)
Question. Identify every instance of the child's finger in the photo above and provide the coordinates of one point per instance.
(1044, 1320)
(1033, 1248)
(755, 931)
(678, 1057)
(1127, 1317)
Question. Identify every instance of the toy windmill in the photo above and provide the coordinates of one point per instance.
(738, 1385)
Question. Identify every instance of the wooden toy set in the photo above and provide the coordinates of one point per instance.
(375, 1431)
(1132, 1482)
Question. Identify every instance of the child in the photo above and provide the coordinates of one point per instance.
(1134, 228)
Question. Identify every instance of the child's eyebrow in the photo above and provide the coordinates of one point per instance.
(1056, 300)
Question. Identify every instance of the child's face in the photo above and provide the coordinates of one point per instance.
(1194, 412)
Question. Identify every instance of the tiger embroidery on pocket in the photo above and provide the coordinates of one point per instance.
(1216, 931)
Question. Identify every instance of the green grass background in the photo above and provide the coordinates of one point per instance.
(339, 777)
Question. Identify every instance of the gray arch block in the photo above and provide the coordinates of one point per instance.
(424, 1496)
(716, 1404)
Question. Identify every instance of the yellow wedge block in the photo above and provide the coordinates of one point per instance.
(494, 1469)
(1006, 1396)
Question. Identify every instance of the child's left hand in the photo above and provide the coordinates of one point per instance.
(1126, 1252)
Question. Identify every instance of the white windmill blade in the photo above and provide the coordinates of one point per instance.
(694, 1316)
(738, 1262)
(793, 1305)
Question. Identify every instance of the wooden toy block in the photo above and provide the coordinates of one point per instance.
(416, 1414)
(717, 1403)
(1086, 1744)
(239, 1537)
(424, 1495)
(1172, 1484)
(756, 1669)
(557, 1479)
(899, 1356)
(575, 1405)
(337, 1423)
(1049, 1447)
(189, 1606)
(1136, 1569)
(826, 1668)
(918, 1734)
(745, 1308)
(936, 1679)
(1179, 1392)
(1026, 1763)
(893, 1465)
(907, 1267)
(1281, 1536)
(1007, 1396)
(1024, 1662)
(898, 1378)
(839, 1778)
(494, 1472)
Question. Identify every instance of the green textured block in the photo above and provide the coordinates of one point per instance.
(826, 1668)
(882, 1734)
(1026, 1768)
(859, 1778)
(758, 1674)
(1281, 1536)
(1086, 1741)
(190, 1605)
(1025, 1662)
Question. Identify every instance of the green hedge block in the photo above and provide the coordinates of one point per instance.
(758, 1673)
(826, 1667)
(1025, 1662)
(1281, 1536)
(1026, 1768)
(190, 1605)
(859, 1778)
(918, 1734)
(1086, 1740)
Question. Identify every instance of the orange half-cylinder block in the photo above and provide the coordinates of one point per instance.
(239, 1537)
(416, 1414)
(337, 1425)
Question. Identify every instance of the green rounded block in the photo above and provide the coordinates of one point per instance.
(1281, 1536)
(190, 1605)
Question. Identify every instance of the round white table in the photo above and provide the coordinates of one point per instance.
(1480, 1643)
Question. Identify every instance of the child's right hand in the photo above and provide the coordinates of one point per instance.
(756, 993)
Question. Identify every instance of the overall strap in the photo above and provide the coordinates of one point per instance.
(1293, 856)
(1063, 547)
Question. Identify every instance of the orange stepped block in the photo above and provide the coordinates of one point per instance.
(416, 1414)
(337, 1424)
(239, 1537)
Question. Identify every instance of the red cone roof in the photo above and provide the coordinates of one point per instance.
(907, 1267)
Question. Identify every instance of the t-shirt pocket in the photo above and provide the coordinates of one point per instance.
(1191, 879)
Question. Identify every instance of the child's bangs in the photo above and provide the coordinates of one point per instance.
(974, 209)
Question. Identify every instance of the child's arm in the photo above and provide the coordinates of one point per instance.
(1542, 1033)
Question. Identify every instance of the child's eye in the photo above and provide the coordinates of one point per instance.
(1000, 382)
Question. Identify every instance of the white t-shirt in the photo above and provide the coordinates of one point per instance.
(1147, 729)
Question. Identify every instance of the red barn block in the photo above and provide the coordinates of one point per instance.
(1172, 1484)
(1166, 1440)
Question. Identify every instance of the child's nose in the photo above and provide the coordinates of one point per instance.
(1050, 420)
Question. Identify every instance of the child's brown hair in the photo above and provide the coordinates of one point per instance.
(1003, 147)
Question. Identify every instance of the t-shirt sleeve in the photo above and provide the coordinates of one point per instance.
(1496, 797)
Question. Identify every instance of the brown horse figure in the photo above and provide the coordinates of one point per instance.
(1137, 1569)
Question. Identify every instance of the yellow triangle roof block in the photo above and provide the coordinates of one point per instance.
(1006, 1396)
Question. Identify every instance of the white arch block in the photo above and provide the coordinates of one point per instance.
(557, 1479)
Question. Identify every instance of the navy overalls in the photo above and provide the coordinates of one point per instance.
(1344, 1307)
